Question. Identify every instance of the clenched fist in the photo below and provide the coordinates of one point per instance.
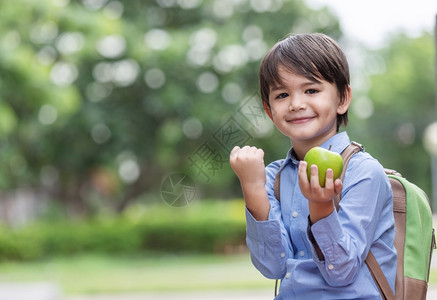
(248, 165)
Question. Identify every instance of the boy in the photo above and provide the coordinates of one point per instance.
(317, 251)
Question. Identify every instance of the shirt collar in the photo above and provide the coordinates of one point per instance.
(338, 142)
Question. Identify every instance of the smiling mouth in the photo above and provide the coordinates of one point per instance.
(300, 120)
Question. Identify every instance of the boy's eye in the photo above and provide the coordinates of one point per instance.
(311, 91)
(281, 96)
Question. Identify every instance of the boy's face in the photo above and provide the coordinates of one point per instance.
(305, 110)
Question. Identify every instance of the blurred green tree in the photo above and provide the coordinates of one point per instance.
(397, 105)
(99, 99)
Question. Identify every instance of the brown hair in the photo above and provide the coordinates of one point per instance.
(315, 56)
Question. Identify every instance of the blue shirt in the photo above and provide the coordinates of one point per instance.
(281, 249)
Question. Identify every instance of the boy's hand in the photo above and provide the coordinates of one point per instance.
(312, 190)
(248, 164)
(320, 199)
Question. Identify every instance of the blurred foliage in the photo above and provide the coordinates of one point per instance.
(139, 229)
(401, 96)
(100, 99)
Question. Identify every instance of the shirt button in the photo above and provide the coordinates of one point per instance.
(331, 267)
(287, 275)
(282, 254)
(301, 253)
(295, 214)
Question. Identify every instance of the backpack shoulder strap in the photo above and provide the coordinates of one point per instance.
(347, 154)
(379, 277)
(277, 183)
(371, 262)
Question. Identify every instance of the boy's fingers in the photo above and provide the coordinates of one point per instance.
(303, 177)
(338, 185)
(314, 176)
(234, 151)
(329, 182)
(259, 154)
(302, 167)
(247, 153)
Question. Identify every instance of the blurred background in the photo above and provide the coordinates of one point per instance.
(117, 118)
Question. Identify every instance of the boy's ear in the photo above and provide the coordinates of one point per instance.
(267, 110)
(344, 106)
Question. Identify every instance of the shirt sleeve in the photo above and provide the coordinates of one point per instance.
(345, 237)
(268, 241)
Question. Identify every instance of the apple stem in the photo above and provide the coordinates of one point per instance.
(330, 147)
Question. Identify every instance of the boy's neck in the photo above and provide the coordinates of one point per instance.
(301, 147)
(299, 151)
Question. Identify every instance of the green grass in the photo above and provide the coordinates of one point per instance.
(89, 274)
(95, 274)
(433, 270)
(433, 277)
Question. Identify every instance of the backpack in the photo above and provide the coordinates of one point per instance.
(414, 239)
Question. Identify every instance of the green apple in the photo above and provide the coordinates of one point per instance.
(324, 159)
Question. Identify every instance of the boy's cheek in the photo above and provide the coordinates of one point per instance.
(274, 115)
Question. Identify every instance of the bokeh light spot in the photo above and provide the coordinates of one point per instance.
(157, 39)
(111, 46)
(192, 128)
(47, 114)
(207, 82)
(154, 78)
(100, 133)
(63, 73)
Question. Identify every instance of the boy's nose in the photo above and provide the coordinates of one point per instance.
(296, 104)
